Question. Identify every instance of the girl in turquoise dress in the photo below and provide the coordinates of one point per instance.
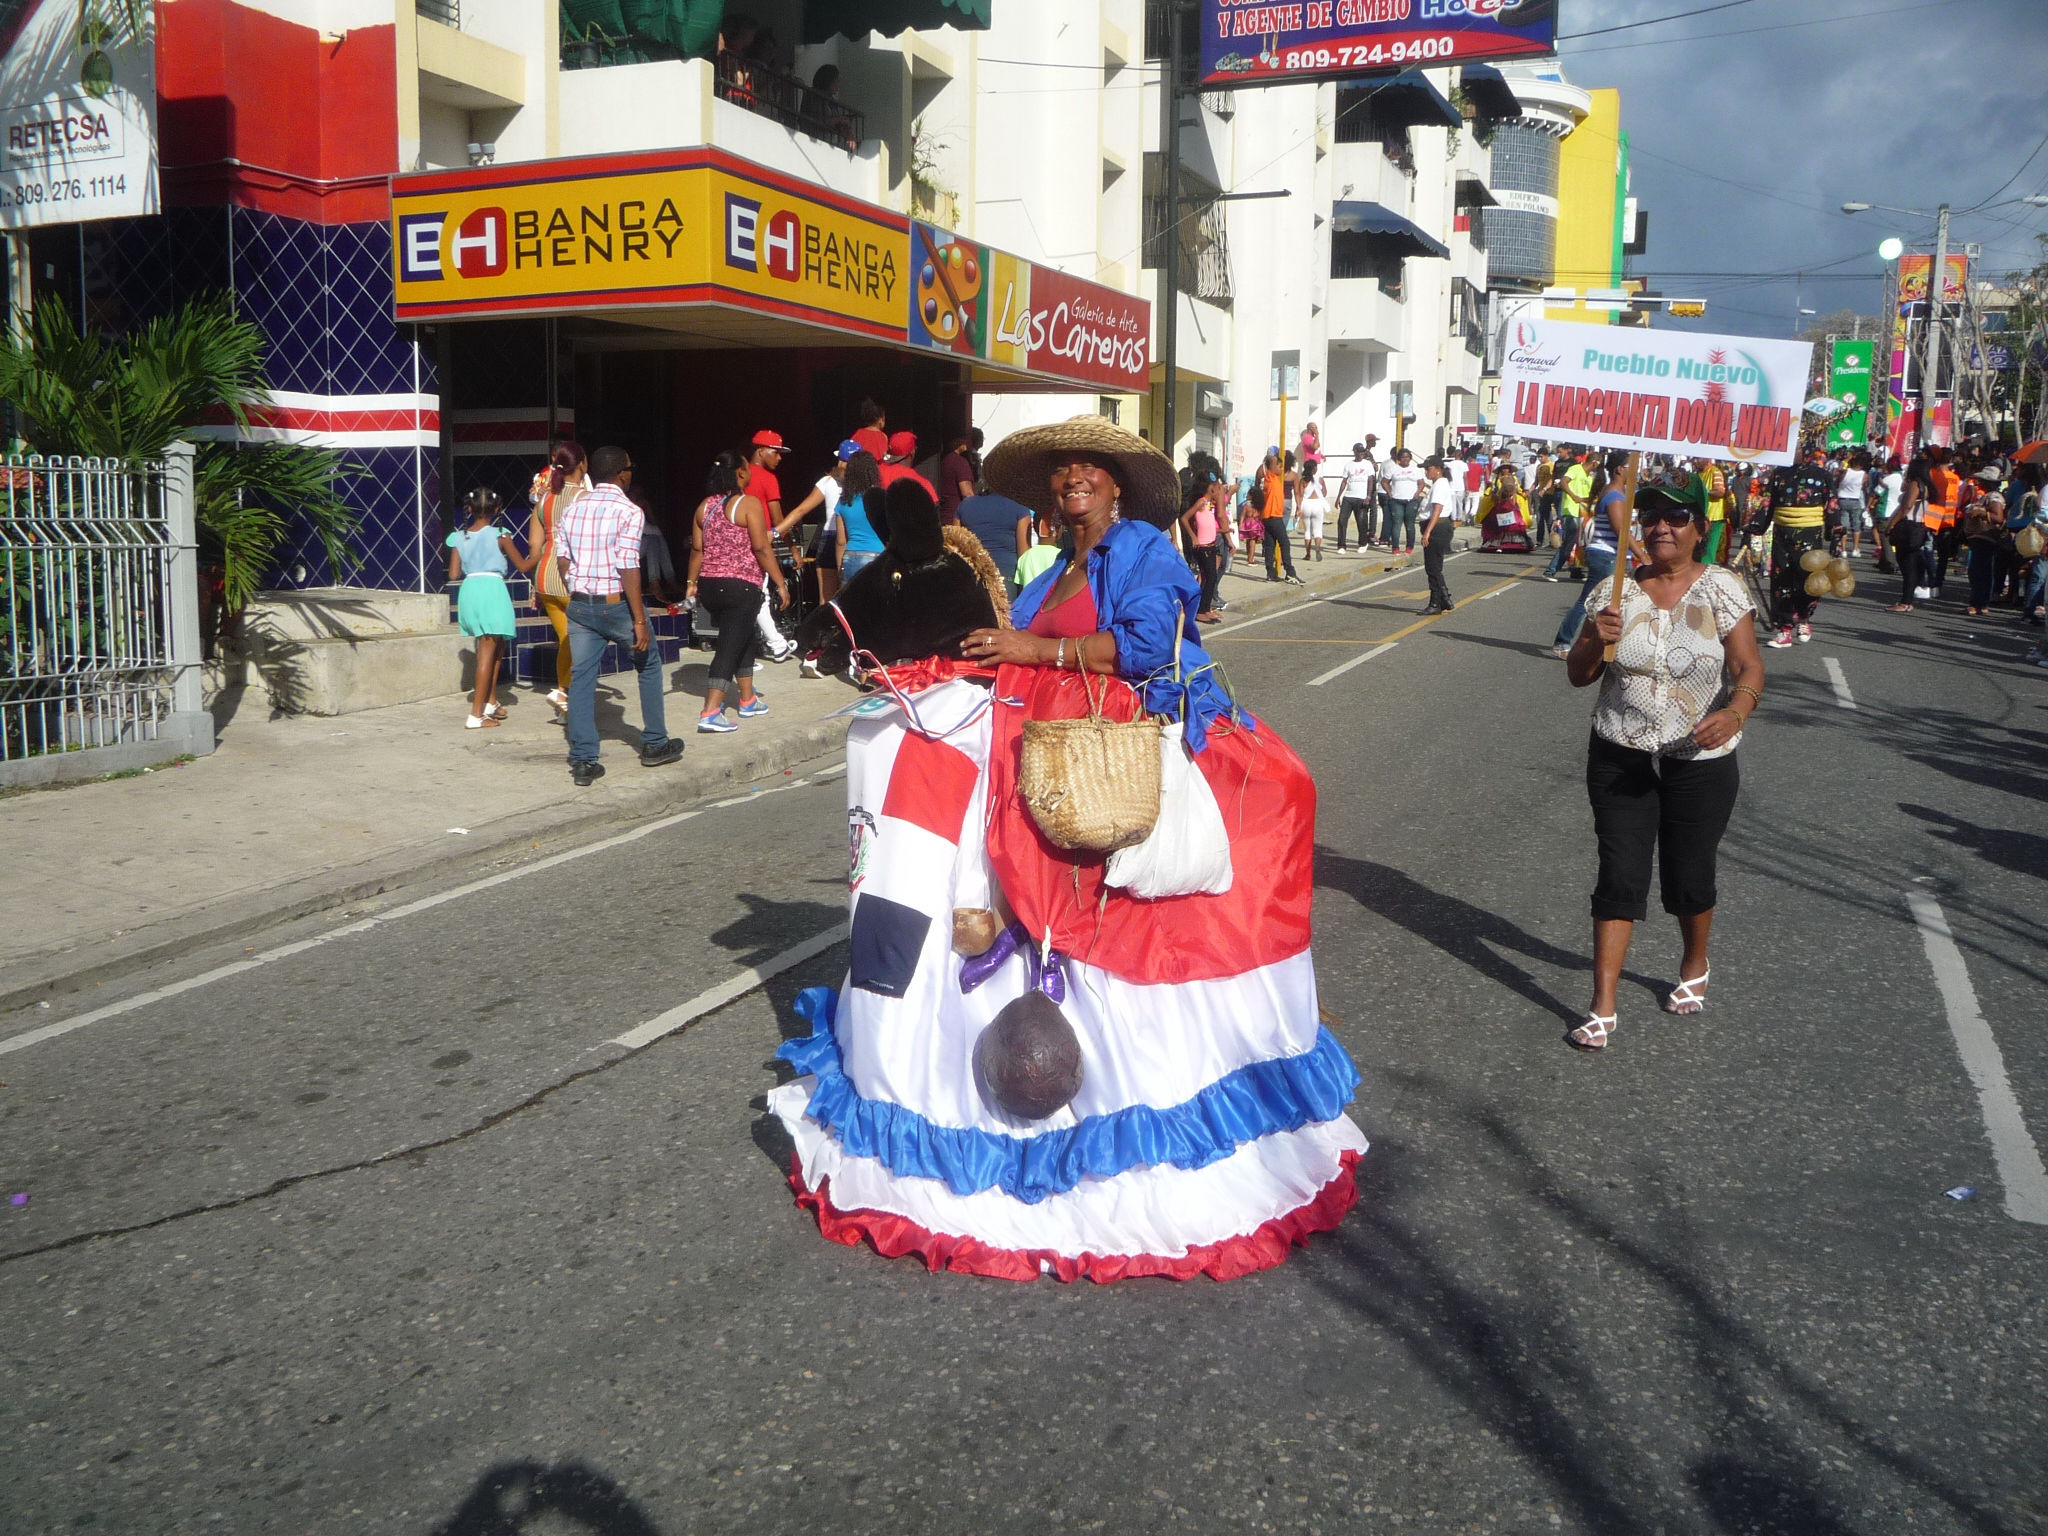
(480, 555)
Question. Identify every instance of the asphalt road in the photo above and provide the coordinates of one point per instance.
(381, 1235)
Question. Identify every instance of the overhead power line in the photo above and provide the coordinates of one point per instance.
(1654, 21)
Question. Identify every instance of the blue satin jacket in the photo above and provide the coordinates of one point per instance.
(1144, 592)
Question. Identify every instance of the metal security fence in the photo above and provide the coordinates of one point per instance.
(99, 608)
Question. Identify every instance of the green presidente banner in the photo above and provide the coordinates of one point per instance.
(1850, 370)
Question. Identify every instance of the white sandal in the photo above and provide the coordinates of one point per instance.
(479, 722)
(1592, 1035)
(494, 711)
(1689, 997)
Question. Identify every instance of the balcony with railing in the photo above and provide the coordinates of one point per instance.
(446, 12)
(1202, 240)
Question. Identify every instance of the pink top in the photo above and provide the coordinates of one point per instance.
(1068, 620)
(728, 547)
(1205, 522)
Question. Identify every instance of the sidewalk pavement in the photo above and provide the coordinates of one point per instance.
(297, 813)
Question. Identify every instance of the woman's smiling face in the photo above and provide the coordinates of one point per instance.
(1083, 487)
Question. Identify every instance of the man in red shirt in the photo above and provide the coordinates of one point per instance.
(764, 487)
(902, 449)
(873, 432)
(761, 481)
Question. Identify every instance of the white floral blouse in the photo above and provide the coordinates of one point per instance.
(1669, 670)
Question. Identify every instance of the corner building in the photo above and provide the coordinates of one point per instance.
(468, 227)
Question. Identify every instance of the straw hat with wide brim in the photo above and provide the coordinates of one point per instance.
(1021, 465)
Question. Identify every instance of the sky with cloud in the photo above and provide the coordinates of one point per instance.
(1751, 123)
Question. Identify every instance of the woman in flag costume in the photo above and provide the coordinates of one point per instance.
(1155, 1094)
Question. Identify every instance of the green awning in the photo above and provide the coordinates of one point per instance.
(856, 18)
(690, 27)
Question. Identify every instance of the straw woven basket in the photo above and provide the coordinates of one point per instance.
(1091, 784)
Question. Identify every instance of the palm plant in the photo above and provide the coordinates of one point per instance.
(132, 397)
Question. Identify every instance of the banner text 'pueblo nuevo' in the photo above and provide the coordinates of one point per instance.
(1677, 392)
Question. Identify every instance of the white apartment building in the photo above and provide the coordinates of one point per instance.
(1361, 288)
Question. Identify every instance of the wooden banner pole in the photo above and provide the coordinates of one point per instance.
(1624, 510)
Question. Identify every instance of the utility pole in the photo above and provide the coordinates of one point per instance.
(1168, 286)
(1937, 278)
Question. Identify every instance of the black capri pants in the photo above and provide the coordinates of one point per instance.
(1676, 808)
(733, 604)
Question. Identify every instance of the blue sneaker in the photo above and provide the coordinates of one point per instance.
(758, 705)
(715, 724)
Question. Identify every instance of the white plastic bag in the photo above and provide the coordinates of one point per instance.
(1188, 851)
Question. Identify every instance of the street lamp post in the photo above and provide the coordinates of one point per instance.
(1936, 278)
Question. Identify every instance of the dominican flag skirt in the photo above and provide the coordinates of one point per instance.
(1208, 1135)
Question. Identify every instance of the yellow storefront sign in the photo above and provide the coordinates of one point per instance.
(696, 226)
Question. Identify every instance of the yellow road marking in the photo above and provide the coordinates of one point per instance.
(1402, 634)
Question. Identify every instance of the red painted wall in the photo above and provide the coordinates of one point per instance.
(263, 113)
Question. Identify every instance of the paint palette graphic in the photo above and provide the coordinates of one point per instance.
(949, 284)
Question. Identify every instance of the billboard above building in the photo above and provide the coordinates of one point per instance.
(1248, 43)
(701, 228)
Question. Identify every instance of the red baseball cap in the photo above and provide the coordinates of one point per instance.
(902, 445)
(767, 438)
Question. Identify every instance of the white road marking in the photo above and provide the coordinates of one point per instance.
(726, 991)
(1294, 608)
(409, 909)
(2018, 1159)
(1835, 675)
(1342, 667)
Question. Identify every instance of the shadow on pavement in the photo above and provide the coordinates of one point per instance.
(1734, 1439)
(523, 1498)
(1525, 647)
(2024, 853)
(1466, 933)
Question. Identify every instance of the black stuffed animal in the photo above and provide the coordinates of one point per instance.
(924, 594)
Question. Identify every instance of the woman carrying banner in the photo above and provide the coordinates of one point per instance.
(1660, 767)
(1189, 1118)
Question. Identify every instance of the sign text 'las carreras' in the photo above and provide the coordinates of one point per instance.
(639, 230)
(1676, 392)
(974, 300)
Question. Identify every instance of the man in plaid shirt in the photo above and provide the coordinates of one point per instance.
(599, 543)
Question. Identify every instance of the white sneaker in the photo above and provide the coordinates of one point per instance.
(1781, 641)
(809, 668)
(1923, 594)
(788, 650)
(1805, 633)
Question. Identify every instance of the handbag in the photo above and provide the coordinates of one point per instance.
(1091, 784)
(547, 570)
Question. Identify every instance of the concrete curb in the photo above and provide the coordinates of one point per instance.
(629, 795)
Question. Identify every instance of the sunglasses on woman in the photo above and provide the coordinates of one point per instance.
(1649, 517)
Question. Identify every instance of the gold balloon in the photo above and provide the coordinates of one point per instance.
(1818, 585)
(1846, 587)
(1841, 570)
(1814, 559)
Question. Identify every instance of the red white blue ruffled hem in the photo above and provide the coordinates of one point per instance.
(1209, 1135)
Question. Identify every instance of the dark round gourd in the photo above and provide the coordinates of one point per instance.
(1029, 1060)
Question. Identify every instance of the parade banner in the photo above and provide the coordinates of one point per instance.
(77, 122)
(1913, 272)
(1675, 392)
(1850, 371)
(1248, 43)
